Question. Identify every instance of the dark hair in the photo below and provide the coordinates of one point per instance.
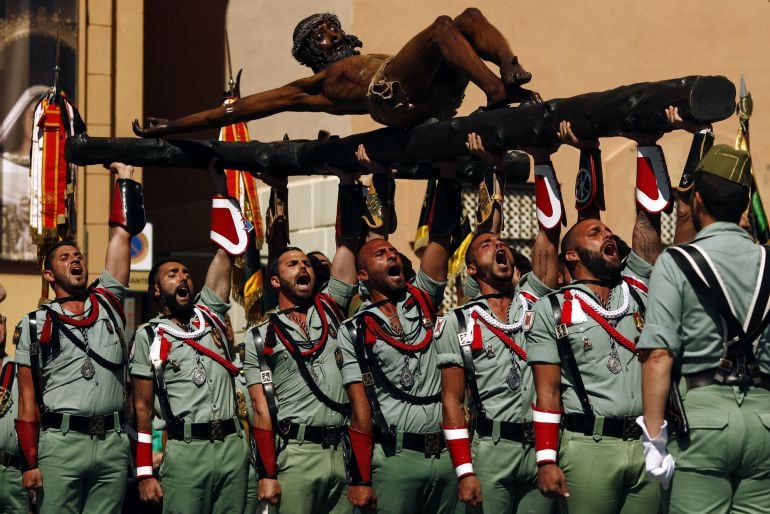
(469, 252)
(723, 199)
(521, 262)
(272, 266)
(321, 271)
(305, 50)
(152, 278)
(49, 254)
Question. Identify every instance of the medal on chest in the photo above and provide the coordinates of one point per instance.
(199, 373)
(6, 401)
(513, 379)
(406, 379)
(87, 369)
(613, 360)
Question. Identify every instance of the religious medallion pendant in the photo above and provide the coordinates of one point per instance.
(514, 376)
(199, 374)
(87, 369)
(407, 377)
(6, 401)
(613, 361)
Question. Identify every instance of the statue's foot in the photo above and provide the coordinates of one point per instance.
(513, 74)
(523, 96)
(500, 98)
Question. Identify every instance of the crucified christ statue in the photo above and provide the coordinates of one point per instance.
(425, 79)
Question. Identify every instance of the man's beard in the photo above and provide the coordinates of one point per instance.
(170, 301)
(600, 267)
(318, 59)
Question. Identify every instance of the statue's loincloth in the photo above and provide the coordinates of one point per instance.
(388, 103)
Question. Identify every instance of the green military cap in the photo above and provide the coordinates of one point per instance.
(727, 162)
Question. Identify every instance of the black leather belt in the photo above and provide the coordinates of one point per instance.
(519, 432)
(215, 430)
(623, 428)
(429, 443)
(705, 378)
(89, 425)
(8, 459)
(325, 436)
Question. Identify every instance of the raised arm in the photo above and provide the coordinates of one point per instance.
(550, 217)
(126, 219)
(445, 216)
(653, 195)
(301, 95)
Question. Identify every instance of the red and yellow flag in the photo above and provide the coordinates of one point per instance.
(247, 277)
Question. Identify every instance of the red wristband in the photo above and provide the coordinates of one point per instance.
(546, 425)
(458, 442)
(28, 433)
(143, 454)
(266, 465)
(362, 445)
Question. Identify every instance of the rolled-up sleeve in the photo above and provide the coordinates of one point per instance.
(664, 308)
(541, 338)
(447, 344)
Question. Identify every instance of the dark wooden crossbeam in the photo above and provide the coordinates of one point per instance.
(633, 108)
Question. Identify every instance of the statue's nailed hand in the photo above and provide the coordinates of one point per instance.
(153, 127)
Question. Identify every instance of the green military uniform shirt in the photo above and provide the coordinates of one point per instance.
(9, 443)
(422, 365)
(65, 390)
(491, 368)
(611, 395)
(295, 401)
(215, 398)
(695, 339)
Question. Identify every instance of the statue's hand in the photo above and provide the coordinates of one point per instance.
(153, 127)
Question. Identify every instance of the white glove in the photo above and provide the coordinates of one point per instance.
(659, 464)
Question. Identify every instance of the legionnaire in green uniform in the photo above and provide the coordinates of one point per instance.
(582, 351)
(72, 365)
(494, 367)
(392, 379)
(14, 499)
(481, 348)
(710, 338)
(181, 368)
(292, 367)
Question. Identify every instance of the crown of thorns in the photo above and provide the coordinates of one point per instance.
(306, 26)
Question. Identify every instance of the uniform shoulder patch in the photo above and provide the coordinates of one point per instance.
(17, 335)
(529, 320)
(440, 322)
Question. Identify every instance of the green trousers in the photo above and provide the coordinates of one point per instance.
(508, 476)
(606, 475)
(250, 507)
(13, 496)
(205, 477)
(312, 479)
(724, 466)
(407, 481)
(81, 473)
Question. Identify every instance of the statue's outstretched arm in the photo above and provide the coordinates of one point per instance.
(301, 95)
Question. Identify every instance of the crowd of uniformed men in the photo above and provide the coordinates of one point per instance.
(601, 378)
